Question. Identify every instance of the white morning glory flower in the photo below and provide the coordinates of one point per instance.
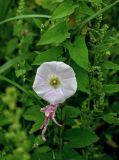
(54, 82)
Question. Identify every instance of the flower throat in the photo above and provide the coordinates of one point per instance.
(54, 82)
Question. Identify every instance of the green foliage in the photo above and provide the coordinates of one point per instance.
(56, 34)
(73, 154)
(33, 114)
(79, 52)
(52, 54)
(111, 118)
(111, 88)
(4, 8)
(82, 78)
(64, 9)
(85, 137)
(15, 135)
(71, 111)
(83, 34)
(86, 10)
(110, 65)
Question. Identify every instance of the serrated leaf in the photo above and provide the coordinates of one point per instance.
(80, 137)
(52, 54)
(111, 118)
(64, 9)
(78, 52)
(56, 34)
(111, 88)
(110, 65)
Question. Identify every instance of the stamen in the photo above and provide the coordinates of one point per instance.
(54, 81)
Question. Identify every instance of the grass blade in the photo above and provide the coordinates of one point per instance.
(25, 17)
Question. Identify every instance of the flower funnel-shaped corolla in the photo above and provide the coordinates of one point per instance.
(54, 82)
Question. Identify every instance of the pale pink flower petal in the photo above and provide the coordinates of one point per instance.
(54, 96)
(67, 89)
(67, 79)
(47, 69)
(54, 82)
(65, 71)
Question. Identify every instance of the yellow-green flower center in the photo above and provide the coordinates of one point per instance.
(54, 82)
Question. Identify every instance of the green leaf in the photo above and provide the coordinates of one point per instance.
(78, 52)
(64, 9)
(9, 64)
(35, 127)
(111, 88)
(71, 111)
(80, 137)
(4, 120)
(99, 12)
(19, 72)
(36, 141)
(82, 78)
(111, 118)
(85, 10)
(74, 155)
(48, 4)
(4, 8)
(33, 114)
(11, 46)
(43, 156)
(110, 65)
(52, 54)
(43, 149)
(97, 2)
(2, 138)
(56, 34)
(12, 62)
(26, 91)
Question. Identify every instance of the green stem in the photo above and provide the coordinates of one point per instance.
(97, 14)
(24, 17)
(62, 129)
(20, 88)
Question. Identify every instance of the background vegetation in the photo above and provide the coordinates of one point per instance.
(83, 34)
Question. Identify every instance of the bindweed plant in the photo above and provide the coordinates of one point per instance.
(80, 38)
